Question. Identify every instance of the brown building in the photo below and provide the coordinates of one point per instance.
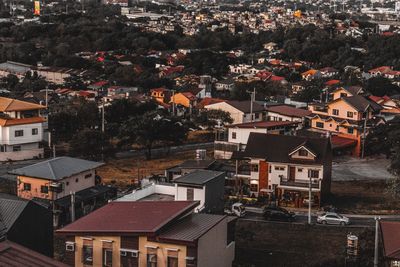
(165, 233)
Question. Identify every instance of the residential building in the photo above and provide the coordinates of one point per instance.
(52, 182)
(287, 113)
(25, 222)
(235, 136)
(240, 111)
(15, 255)
(225, 85)
(21, 130)
(186, 99)
(188, 166)
(390, 240)
(346, 117)
(283, 166)
(161, 95)
(163, 233)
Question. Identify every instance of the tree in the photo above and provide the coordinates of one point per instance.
(381, 86)
(90, 144)
(214, 117)
(150, 129)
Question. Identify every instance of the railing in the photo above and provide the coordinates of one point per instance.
(225, 146)
(298, 183)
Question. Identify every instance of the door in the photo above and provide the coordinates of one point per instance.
(292, 174)
(332, 219)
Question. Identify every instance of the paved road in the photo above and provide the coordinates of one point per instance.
(350, 168)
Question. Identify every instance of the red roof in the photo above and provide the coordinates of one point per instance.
(332, 82)
(189, 95)
(276, 78)
(391, 239)
(161, 89)
(208, 101)
(342, 142)
(130, 217)
(289, 111)
(382, 69)
(100, 83)
(264, 124)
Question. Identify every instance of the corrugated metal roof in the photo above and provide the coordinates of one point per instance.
(11, 208)
(192, 227)
(57, 168)
(198, 177)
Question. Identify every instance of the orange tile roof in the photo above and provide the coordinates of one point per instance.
(9, 104)
(10, 122)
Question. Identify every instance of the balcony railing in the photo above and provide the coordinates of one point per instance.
(298, 183)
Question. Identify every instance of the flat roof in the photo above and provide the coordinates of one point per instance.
(198, 177)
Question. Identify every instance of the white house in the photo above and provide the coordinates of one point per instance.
(240, 111)
(21, 130)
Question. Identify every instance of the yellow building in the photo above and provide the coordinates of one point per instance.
(150, 233)
(185, 99)
(161, 95)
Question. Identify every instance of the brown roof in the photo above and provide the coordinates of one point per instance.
(391, 239)
(245, 106)
(9, 122)
(208, 101)
(9, 104)
(130, 217)
(264, 124)
(289, 111)
(14, 255)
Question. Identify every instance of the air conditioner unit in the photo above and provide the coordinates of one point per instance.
(70, 246)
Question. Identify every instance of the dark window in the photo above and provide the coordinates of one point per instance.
(320, 124)
(172, 260)
(27, 187)
(44, 189)
(233, 135)
(152, 258)
(254, 167)
(313, 173)
(88, 175)
(254, 187)
(303, 153)
(190, 194)
(107, 257)
(19, 133)
(2, 148)
(35, 131)
(335, 112)
(76, 180)
(190, 261)
(87, 255)
(350, 130)
(349, 114)
(16, 148)
(343, 94)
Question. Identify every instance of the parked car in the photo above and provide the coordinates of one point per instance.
(278, 214)
(333, 218)
(237, 209)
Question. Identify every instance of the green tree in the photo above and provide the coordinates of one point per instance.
(90, 144)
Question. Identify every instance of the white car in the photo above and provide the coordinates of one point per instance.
(333, 218)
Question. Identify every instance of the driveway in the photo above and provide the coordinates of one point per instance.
(349, 168)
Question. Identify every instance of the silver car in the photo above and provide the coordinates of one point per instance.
(333, 218)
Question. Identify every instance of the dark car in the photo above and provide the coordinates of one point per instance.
(278, 214)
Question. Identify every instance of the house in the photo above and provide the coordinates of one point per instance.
(240, 111)
(286, 113)
(186, 99)
(311, 74)
(271, 46)
(25, 222)
(205, 186)
(235, 137)
(159, 233)
(52, 182)
(283, 166)
(345, 117)
(225, 85)
(15, 255)
(208, 101)
(390, 240)
(188, 166)
(344, 91)
(380, 71)
(328, 72)
(21, 130)
(161, 95)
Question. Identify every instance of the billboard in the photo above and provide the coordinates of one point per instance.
(37, 8)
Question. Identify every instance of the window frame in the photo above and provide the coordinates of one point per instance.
(35, 131)
(20, 133)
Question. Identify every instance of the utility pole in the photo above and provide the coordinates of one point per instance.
(173, 102)
(47, 97)
(102, 132)
(252, 99)
(376, 251)
(72, 206)
(309, 201)
(54, 151)
(364, 133)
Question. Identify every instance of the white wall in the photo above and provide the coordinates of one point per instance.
(273, 176)
(199, 194)
(242, 134)
(149, 190)
(74, 186)
(236, 114)
(212, 248)
(279, 117)
(8, 134)
(22, 155)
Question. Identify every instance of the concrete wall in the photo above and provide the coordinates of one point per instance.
(199, 194)
(98, 250)
(213, 250)
(149, 190)
(242, 134)
(8, 137)
(22, 155)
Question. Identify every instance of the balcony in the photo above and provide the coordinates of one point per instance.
(299, 183)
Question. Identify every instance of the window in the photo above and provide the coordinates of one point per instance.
(350, 130)
(254, 167)
(151, 257)
(87, 254)
(319, 125)
(77, 180)
(233, 135)
(190, 194)
(88, 175)
(44, 189)
(343, 94)
(27, 187)
(70, 246)
(172, 258)
(254, 187)
(2, 148)
(107, 257)
(279, 168)
(313, 173)
(300, 169)
(190, 261)
(35, 131)
(335, 112)
(16, 148)
(349, 114)
(67, 183)
(303, 153)
(19, 133)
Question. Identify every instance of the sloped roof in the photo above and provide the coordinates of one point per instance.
(9, 104)
(264, 124)
(14, 255)
(198, 177)
(289, 111)
(130, 217)
(11, 208)
(276, 148)
(391, 239)
(57, 168)
(191, 228)
(245, 106)
(361, 103)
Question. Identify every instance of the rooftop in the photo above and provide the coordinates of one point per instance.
(9, 104)
(245, 106)
(130, 217)
(289, 111)
(57, 168)
(263, 124)
(391, 239)
(198, 177)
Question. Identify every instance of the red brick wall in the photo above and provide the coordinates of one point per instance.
(263, 175)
